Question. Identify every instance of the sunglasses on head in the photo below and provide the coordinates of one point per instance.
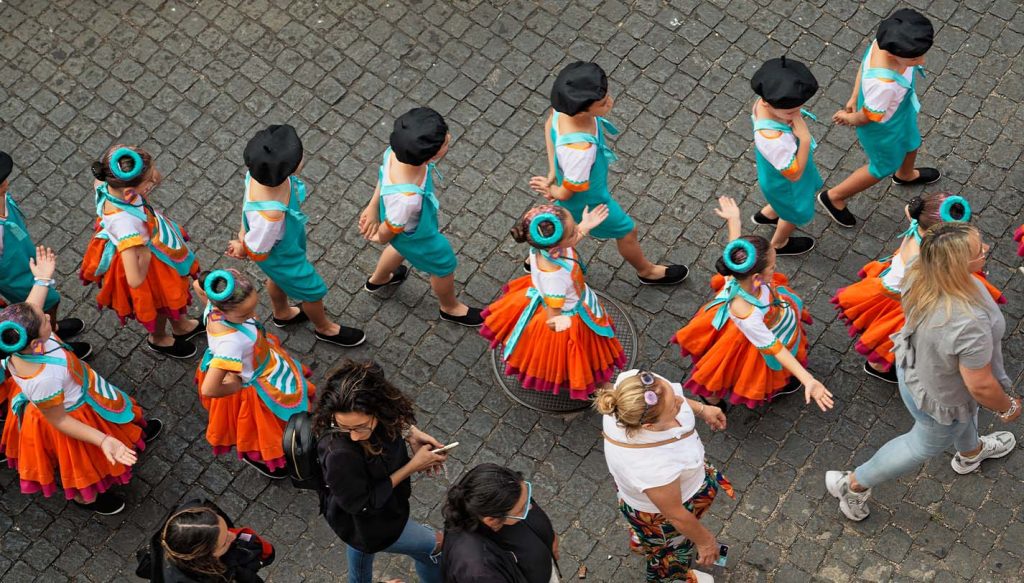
(650, 395)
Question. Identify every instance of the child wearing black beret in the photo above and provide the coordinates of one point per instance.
(884, 109)
(785, 151)
(578, 159)
(402, 213)
(273, 234)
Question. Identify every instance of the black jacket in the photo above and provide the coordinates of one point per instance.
(357, 498)
(518, 553)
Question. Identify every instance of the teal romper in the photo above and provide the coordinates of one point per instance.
(887, 143)
(16, 279)
(286, 264)
(793, 201)
(425, 248)
(618, 224)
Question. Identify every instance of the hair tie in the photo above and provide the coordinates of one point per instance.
(18, 344)
(551, 239)
(229, 288)
(747, 264)
(947, 206)
(115, 164)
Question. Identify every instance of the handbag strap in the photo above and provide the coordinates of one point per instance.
(647, 445)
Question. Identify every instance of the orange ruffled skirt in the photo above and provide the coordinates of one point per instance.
(39, 452)
(243, 422)
(163, 293)
(726, 364)
(577, 360)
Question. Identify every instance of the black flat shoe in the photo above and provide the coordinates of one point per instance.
(674, 275)
(278, 474)
(526, 267)
(925, 176)
(82, 350)
(153, 428)
(181, 349)
(842, 217)
(397, 277)
(69, 327)
(758, 218)
(796, 246)
(887, 376)
(473, 318)
(106, 504)
(199, 329)
(347, 337)
(296, 319)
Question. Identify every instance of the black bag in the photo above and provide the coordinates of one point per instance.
(300, 452)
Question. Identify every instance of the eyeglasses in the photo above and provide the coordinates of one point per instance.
(364, 428)
(529, 503)
(650, 396)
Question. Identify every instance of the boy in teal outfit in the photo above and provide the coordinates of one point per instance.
(16, 251)
(578, 159)
(785, 151)
(402, 214)
(884, 108)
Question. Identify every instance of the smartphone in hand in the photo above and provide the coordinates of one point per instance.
(446, 448)
(723, 555)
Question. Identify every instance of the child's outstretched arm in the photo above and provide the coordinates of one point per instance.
(813, 388)
(42, 268)
(851, 105)
(545, 185)
(369, 219)
(728, 210)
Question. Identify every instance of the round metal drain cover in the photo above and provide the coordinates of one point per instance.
(547, 402)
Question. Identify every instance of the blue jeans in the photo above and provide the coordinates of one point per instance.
(925, 440)
(416, 541)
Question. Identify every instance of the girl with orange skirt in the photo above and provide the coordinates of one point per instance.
(871, 307)
(63, 419)
(555, 333)
(247, 381)
(138, 257)
(748, 343)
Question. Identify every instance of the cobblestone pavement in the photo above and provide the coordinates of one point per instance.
(191, 81)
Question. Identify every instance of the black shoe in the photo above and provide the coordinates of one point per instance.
(926, 176)
(69, 327)
(842, 217)
(199, 329)
(180, 349)
(723, 404)
(397, 277)
(888, 376)
(758, 218)
(526, 267)
(347, 337)
(473, 318)
(106, 504)
(278, 474)
(674, 275)
(296, 319)
(81, 349)
(796, 246)
(153, 428)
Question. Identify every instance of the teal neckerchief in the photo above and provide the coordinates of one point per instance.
(603, 126)
(136, 210)
(297, 189)
(559, 261)
(733, 290)
(889, 74)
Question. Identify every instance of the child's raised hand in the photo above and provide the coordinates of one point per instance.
(369, 222)
(236, 249)
(727, 209)
(817, 391)
(542, 186)
(593, 217)
(44, 264)
(800, 129)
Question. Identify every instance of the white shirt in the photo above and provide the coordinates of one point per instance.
(576, 160)
(264, 231)
(882, 97)
(893, 277)
(636, 470)
(403, 209)
(52, 384)
(556, 287)
(233, 351)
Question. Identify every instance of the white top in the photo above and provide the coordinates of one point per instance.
(882, 97)
(264, 230)
(893, 277)
(637, 470)
(125, 230)
(753, 326)
(51, 382)
(402, 209)
(556, 287)
(779, 148)
(233, 351)
(576, 160)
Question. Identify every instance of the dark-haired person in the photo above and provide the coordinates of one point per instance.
(494, 532)
(198, 543)
(871, 307)
(273, 234)
(16, 250)
(555, 333)
(138, 257)
(62, 417)
(748, 344)
(949, 363)
(884, 108)
(365, 429)
(576, 134)
(247, 381)
(402, 213)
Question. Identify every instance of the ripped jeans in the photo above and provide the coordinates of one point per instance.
(416, 541)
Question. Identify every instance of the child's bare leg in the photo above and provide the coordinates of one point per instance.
(444, 289)
(389, 261)
(907, 170)
(279, 302)
(769, 212)
(184, 324)
(629, 248)
(782, 232)
(859, 181)
(877, 367)
(160, 337)
(318, 316)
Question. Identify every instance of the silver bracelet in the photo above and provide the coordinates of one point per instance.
(407, 431)
(1010, 411)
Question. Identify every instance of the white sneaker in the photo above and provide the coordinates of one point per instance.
(854, 505)
(702, 577)
(993, 445)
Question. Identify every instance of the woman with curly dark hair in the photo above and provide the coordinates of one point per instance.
(363, 424)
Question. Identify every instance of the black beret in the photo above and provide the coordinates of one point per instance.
(418, 136)
(577, 87)
(273, 154)
(784, 83)
(6, 165)
(906, 33)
